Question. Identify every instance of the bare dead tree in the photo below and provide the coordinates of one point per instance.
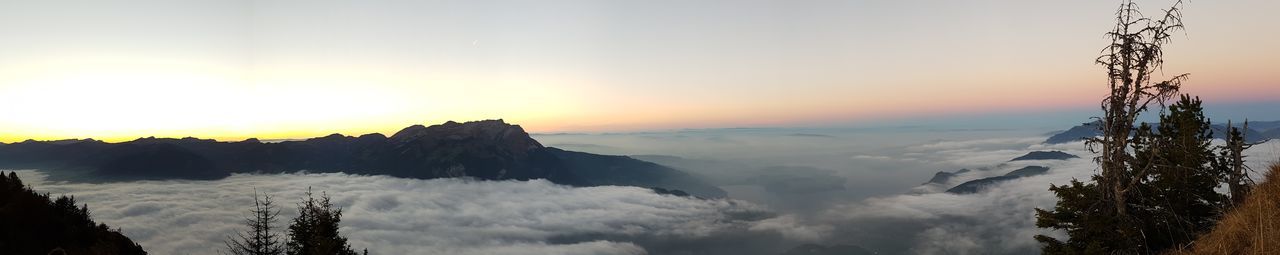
(1134, 54)
(1237, 173)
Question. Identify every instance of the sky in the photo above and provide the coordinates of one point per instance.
(117, 70)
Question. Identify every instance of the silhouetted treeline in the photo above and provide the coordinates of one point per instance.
(32, 223)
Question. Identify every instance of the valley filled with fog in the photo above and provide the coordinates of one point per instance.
(787, 187)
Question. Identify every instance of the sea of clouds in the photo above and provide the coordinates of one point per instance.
(455, 216)
(407, 216)
(997, 220)
(914, 218)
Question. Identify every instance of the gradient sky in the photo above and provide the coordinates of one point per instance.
(118, 70)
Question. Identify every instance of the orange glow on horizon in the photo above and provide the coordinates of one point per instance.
(275, 71)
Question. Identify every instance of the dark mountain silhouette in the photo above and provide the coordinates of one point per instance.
(1045, 155)
(1078, 133)
(626, 171)
(487, 150)
(942, 177)
(32, 223)
(154, 161)
(1028, 171)
(975, 186)
(674, 192)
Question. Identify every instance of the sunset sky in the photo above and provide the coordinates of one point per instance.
(287, 69)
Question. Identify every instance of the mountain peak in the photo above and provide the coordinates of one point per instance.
(491, 130)
(409, 132)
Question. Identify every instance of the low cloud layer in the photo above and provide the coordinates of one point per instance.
(449, 216)
(998, 220)
(444, 216)
(916, 219)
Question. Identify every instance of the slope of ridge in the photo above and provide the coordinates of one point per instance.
(1076, 133)
(485, 150)
(627, 171)
(1251, 228)
(1045, 155)
(32, 223)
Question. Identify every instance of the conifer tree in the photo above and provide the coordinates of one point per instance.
(315, 230)
(259, 239)
(1178, 200)
(1174, 200)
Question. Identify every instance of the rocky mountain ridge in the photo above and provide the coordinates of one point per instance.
(485, 150)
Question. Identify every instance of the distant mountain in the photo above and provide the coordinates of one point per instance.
(626, 171)
(942, 177)
(154, 161)
(1250, 135)
(1028, 171)
(1272, 134)
(487, 150)
(1076, 133)
(1045, 155)
(975, 186)
(1265, 125)
(33, 223)
(1269, 130)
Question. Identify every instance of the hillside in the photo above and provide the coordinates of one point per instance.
(1252, 228)
(31, 223)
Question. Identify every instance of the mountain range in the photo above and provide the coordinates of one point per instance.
(485, 150)
(943, 178)
(1258, 131)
